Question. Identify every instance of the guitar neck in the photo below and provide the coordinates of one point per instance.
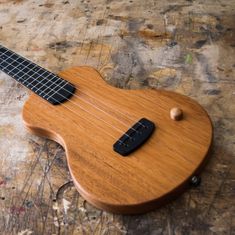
(42, 82)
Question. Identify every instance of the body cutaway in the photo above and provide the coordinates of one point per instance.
(92, 120)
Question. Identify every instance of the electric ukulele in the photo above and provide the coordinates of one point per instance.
(128, 151)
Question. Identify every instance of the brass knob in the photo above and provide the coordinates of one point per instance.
(176, 114)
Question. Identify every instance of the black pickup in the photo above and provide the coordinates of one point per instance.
(134, 137)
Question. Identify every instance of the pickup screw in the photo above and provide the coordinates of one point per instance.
(176, 113)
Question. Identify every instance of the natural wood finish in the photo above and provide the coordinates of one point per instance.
(176, 114)
(148, 177)
(56, 39)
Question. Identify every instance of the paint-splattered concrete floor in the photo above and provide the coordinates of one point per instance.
(187, 46)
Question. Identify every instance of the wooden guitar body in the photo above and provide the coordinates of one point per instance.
(97, 115)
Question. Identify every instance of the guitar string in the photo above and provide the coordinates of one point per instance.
(126, 116)
(70, 93)
(19, 65)
(62, 104)
(103, 104)
(59, 102)
(24, 83)
(29, 76)
(82, 118)
(78, 115)
(51, 90)
(40, 75)
(88, 95)
(98, 66)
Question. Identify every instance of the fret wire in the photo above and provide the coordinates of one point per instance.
(62, 87)
(39, 75)
(22, 70)
(2, 55)
(24, 81)
(15, 66)
(45, 71)
(13, 53)
(31, 76)
(8, 65)
(6, 50)
(85, 110)
(49, 87)
(25, 74)
(14, 60)
(52, 90)
(11, 60)
(7, 57)
(5, 54)
(25, 66)
(35, 79)
(14, 74)
(53, 83)
(26, 60)
(49, 80)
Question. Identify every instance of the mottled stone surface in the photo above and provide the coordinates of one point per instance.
(187, 46)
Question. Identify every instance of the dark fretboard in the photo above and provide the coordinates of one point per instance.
(42, 82)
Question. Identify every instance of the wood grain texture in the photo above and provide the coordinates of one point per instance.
(88, 124)
(183, 46)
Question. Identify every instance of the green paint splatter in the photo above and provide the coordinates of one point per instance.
(188, 59)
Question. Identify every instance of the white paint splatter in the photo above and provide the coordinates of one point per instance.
(25, 232)
(66, 205)
(56, 223)
(55, 206)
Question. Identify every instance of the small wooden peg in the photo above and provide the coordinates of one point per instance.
(176, 114)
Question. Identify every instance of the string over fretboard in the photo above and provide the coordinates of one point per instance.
(41, 81)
